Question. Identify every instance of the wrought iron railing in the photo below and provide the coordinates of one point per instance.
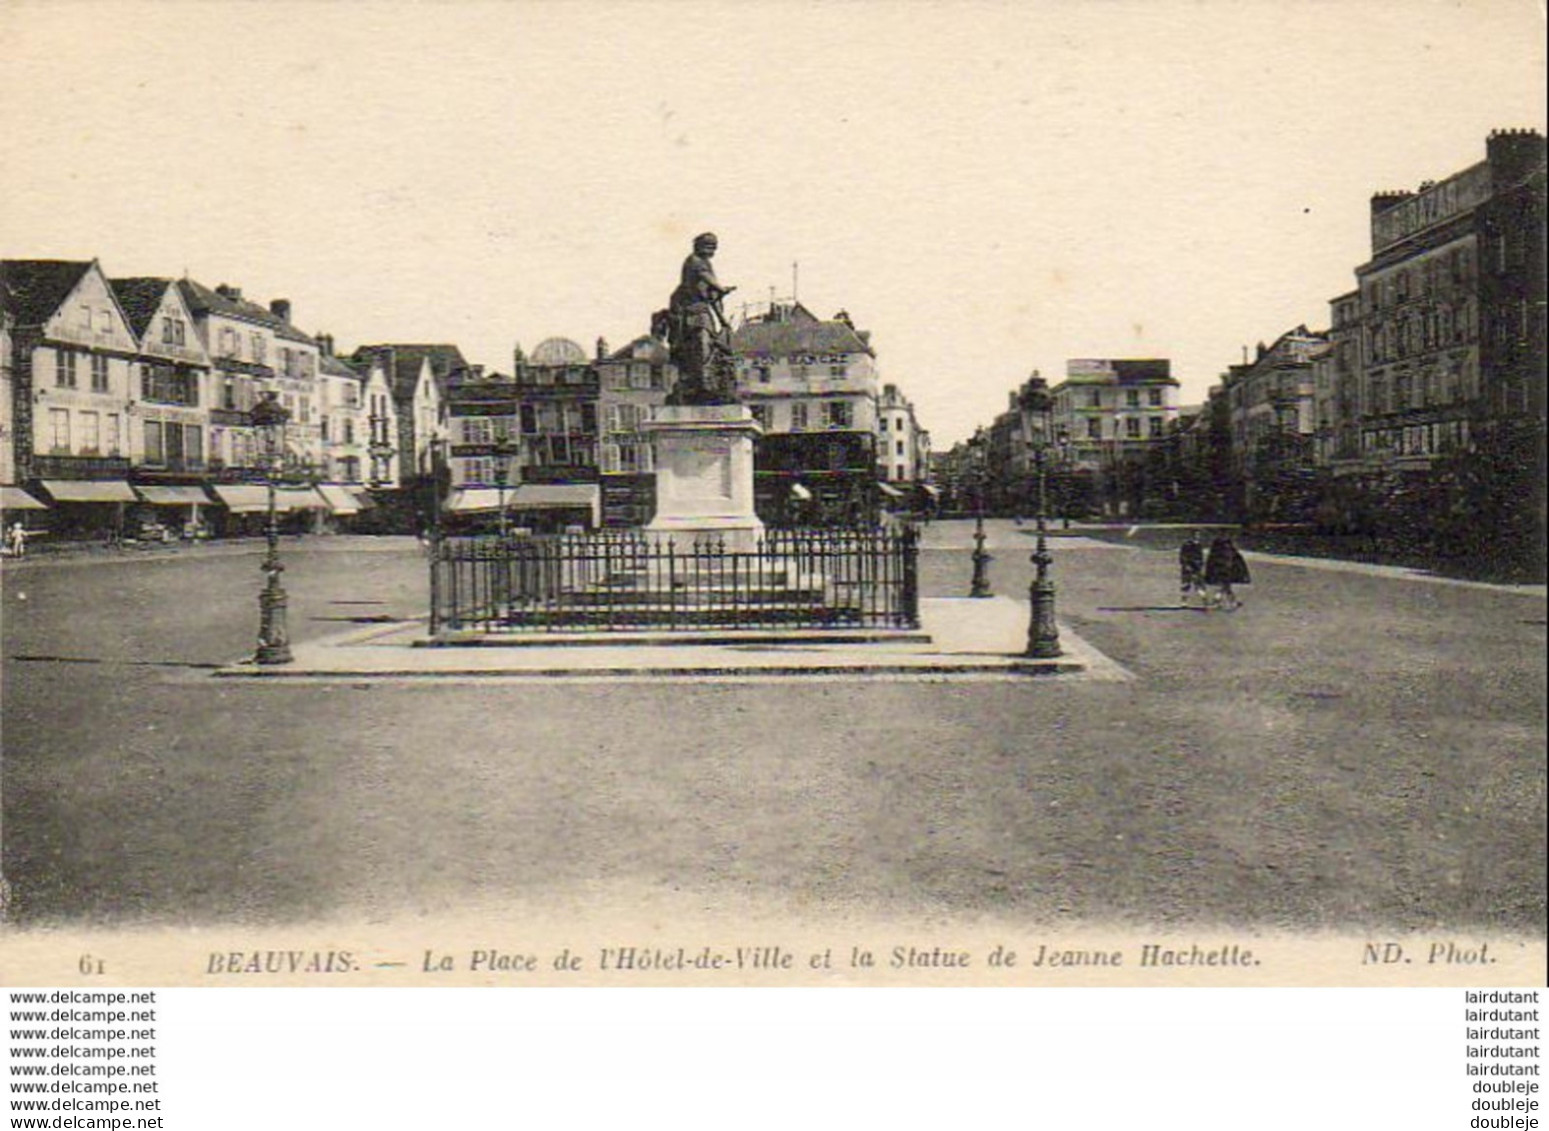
(623, 580)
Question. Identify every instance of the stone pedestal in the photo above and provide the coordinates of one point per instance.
(704, 474)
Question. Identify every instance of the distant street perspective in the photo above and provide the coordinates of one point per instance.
(1353, 748)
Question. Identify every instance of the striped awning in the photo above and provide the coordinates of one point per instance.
(173, 496)
(89, 490)
(15, 499)
(339, 499)
(890, 491)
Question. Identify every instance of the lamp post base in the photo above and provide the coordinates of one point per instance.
(1043, 635)
(273, 635)
(980, 585)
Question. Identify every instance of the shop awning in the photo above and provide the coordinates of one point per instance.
(800, 492)
(890, 491)
(89, 490)
(243, 498)
(338, 498)
(530, 497)
(173, 496)
(15, 499)
(932, 490)
(299, 499)
(471, 500)
(251, 498)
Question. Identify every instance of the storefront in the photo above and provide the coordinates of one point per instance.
(543, 508)
(88, 508)
(170, 512)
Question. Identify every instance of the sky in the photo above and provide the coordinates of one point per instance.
(989, 188)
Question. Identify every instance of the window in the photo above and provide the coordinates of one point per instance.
(1154, 397)
(1132, 398)
(898, 447)
(1155, 425)
(761, 374)
(260, 347)
(798, 416)
(110, 434)
(841, 414)
(99, 373)
(64, 369)
(761, 414)
(155, 452)
(836, 371)
(1132, 428)
(193, 445)
(898, 473)
(91, 433)
(589, 417)
(349, 430)
(1094, 429)
(1094, 399)
(477, 431)
(59, 430)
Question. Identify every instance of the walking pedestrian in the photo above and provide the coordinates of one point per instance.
(1225, 567)
(16, 540)
(1191, 568)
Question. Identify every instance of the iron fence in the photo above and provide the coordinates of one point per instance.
(623, 580)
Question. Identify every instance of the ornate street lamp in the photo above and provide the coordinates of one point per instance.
(269, 417)
(1043, 635)
(504, 449)
(980, 585)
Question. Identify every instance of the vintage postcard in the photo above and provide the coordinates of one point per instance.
(888, 493)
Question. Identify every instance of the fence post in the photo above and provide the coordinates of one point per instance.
(435, 583)
(910, 547)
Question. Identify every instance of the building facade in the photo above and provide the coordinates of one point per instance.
(1451, 312)
(73, 366)
(632, 383)
(812, 385)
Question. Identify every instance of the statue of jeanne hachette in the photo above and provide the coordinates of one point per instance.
(698, 335)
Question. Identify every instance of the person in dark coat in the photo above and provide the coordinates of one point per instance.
(1191, 567)
(1224, 568)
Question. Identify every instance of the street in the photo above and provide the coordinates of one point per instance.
(1349, 751)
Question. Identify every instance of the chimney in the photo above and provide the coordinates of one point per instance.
(602, 349)
(1382, 201)
(280, 308)
(232, 293)
(1512, 155)
(325, 344)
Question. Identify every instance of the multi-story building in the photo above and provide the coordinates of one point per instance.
(171, 464)
(1111, 414)
(420, 376)
(1271, 398)
(812, 385)
(73, 363)
(903, 447)
(343, 417)
(1114, 405)
(1451, 313)
(539, 429)
(1336, 384)
(632, 383)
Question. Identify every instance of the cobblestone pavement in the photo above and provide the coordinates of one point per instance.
(1348, 751)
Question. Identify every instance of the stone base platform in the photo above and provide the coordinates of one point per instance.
(959, 638)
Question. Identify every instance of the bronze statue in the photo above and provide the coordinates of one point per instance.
(698, 335)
